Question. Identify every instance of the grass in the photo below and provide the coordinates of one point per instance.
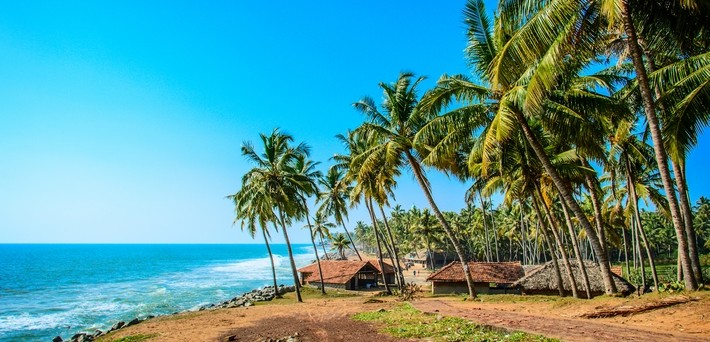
(309, 293)
(404, 321)
(131, 338)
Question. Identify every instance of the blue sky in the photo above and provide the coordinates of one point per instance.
(122, 122)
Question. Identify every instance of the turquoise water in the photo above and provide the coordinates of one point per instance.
(50, 290)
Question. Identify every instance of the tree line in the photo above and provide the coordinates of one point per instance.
(575, 111)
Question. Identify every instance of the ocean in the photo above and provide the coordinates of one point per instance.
(48, 290)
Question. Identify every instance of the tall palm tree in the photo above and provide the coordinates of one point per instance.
(334, 196)
(516, 62)
(275, 175)
(252, 208)
(395, 128)
(305, 168)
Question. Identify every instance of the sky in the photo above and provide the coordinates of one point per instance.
(121, 122)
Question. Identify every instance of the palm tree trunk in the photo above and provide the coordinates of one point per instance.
(429, 252)
(626, 252)
(553, 255)
(419, 175)
(555, 229)
(297, 282)
(577, 253)
(639, 225)
(368, 204)
(592, 187)
(566, 195)
(351, 241)
(390, 254)
(485, 229)
(322, 245)
(271, 259)
(658, 147)
(686, 211)
(315, 249)
(397, 266)
(687, 214)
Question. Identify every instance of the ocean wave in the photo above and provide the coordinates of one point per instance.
(63, 319)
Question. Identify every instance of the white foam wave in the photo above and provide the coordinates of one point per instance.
(25, 321)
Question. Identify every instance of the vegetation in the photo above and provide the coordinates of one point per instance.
(406, 322)
(580, 114)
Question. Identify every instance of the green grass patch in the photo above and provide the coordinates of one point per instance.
(310, 293)
(132, 338)
(404, 321)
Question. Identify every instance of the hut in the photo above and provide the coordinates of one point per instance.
(346, 274)
(542, 280)
(488, 277)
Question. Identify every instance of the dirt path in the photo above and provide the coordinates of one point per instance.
(568, 329)
(315, 321)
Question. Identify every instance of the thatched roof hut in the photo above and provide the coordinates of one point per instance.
(543, 280)
(488, 277)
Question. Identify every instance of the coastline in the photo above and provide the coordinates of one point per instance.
(246, 299)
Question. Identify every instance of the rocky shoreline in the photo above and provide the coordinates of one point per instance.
(247, 299)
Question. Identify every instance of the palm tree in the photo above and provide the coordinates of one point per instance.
(333, 197)
(517, 62)
(394, 129)
(368, 183)
(252, 207)
(275, 176)
(322, 227)
(340, 243)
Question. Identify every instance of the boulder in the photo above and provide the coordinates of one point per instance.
(118, 325)
(133, 322)
(57, 339)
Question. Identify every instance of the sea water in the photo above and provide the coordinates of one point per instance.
(50, 290)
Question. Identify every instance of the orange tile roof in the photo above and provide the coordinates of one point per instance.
(338, 271)
(481, 272)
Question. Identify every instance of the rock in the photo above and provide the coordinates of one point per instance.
(132, 322)
(57, 339)
(81, 337)
(97, 333)
(118, 325)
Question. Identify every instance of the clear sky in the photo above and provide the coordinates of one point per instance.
(122, 121)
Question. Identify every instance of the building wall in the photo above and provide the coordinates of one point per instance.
(331, 285)
(439, 287)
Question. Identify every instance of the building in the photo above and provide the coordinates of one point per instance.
(488, 277)
(346, 274)
(542, 280)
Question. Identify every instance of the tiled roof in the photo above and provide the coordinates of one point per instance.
(481, 272)
(338, 271)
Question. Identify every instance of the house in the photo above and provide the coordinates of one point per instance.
(542, 280)
(488, 277)
(346, 274)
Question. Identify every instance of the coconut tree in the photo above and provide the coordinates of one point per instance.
(340, 243)
(368, 182)
(517, 62)
(254, 210)
(322, 228)
(334, 193)
(276, 176)
(394, 128)
(306, 170)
